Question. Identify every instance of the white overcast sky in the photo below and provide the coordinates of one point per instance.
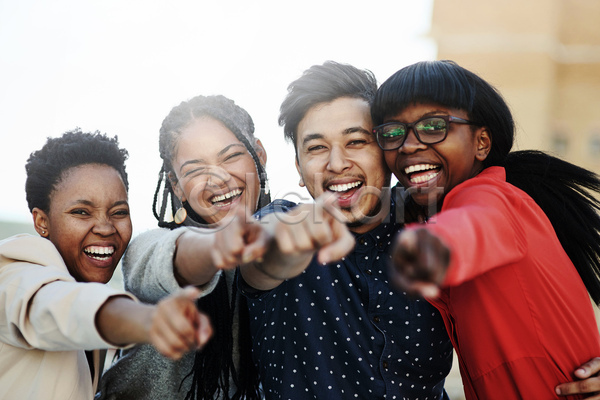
(119, 66)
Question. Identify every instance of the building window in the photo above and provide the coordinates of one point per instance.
(559, 144)
(594, 144)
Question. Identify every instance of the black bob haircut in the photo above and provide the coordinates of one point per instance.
(567, 193)
(45, 167)
(449, 85)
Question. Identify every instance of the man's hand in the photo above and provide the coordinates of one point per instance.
(589, 373)
(240, 240)
(419, 262)
(293, 238)
(314, 227)
(177, 326)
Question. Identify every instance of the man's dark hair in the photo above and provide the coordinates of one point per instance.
(45, 167)
(323, 84)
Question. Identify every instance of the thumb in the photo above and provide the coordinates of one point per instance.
(205, 330)
(342, 245)
(256, 245)
(190, 293)
(408, 241)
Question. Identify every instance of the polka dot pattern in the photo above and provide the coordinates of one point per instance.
(340, 332)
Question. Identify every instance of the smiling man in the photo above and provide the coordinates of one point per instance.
(337, 330)
(336, 152)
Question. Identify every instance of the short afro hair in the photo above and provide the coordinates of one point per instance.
(45, 167)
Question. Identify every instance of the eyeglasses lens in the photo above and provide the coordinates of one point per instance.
(392, 136)
(431, 130)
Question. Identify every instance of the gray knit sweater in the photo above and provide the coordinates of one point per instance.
(143, 373)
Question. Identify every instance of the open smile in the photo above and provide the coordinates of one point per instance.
(225, 199)
(345, 190)
(421, 173)
(344, 187)
(100, 253)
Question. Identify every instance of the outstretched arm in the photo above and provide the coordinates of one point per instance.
(419, 262)
(202, 252)
(293, 238)
(174, 326)
(589, 383)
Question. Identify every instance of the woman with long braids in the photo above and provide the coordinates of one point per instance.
(509, 241)
(213, 168)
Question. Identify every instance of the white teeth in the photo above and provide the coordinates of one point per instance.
(424, 178)
(418, 167)
(344, 186)
(226, 196)
(99, 252)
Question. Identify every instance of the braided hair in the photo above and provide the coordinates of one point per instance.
(213, 366)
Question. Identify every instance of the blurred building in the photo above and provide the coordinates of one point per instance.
(544, 57)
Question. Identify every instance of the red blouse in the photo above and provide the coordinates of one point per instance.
(515, 308)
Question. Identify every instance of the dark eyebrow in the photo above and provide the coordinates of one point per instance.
(312, 136)
(219, 154)
(121, 203)
(197, 161)
(91, 204)
(356, 129)
(347, 131)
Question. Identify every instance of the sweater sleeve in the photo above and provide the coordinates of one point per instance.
(41, 305)
(148, 266)
(479, 222)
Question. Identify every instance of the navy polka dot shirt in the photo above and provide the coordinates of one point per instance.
(339, 331)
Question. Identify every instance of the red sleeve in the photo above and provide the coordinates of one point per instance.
(479, 222)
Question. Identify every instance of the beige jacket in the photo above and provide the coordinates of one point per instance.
(46, 321)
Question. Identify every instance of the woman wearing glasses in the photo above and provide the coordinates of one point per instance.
(511, 240)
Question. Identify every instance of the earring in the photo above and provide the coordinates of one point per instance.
(43, 232)
(180, 215)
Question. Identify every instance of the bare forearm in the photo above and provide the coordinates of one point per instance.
(121, 321)
(173, 326)
(193, 263)
(274, 269)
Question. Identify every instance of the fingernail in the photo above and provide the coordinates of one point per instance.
(259, 260)
(247, 258)
(203, 337)
(430, 291)
(557, 390)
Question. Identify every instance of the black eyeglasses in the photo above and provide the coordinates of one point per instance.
(428, 130)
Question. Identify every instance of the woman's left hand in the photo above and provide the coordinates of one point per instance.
(589, 383)
(419, 262)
